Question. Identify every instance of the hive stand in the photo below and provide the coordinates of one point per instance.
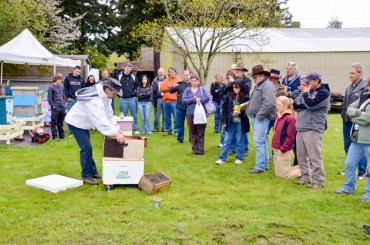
(11, 131)
(31, 122)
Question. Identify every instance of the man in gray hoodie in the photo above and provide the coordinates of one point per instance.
(261, 109)
(312, 106)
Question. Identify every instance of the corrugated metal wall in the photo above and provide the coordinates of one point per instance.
(333, 67)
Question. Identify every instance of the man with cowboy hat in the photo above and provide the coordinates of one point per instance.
(239, 73)
(261, 109)
(93, 109)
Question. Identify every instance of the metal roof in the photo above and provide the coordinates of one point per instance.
(285, 40)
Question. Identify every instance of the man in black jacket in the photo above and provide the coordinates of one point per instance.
(129, 84)
(72, 83)
(180, 107)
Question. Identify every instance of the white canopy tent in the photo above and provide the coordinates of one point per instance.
(25, 49)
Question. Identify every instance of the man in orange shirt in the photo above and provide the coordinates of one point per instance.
(169, 100)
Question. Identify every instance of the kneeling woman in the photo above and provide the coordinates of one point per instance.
(235, 121)
(283, 139)
(193, 95)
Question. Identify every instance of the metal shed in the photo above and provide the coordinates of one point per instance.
(329, 52)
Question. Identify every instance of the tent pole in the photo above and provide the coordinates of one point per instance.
(1, 73)
(55, 69)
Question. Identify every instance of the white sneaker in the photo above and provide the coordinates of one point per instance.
(237, 161)
(219, 162)
(136, 133)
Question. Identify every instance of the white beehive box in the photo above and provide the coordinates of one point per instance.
(54, 183)
(118, 171)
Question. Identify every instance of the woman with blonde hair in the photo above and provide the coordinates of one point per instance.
(283, 139)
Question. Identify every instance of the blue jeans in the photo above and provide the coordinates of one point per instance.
(113, 106)
(362, 164)
(261, 142)
(129, 103)
(71, 103)
(146, 122)
(355, 153)
(180, 119)
(367, 188)
(157, 115)
(222, 140)
(87, 162)
(169, 108)
(218, 125)
(235, 130)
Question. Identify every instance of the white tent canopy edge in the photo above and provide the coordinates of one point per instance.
(26, 49)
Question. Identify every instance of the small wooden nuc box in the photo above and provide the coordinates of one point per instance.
(152, 183)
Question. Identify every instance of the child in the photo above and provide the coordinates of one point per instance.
(57, 106)
(283, 139)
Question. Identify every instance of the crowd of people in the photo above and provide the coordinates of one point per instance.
(295, 108)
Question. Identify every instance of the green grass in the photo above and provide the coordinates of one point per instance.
(206, 203)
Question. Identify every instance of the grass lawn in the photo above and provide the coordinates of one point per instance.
(206, 203)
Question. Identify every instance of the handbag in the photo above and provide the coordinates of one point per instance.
(210, 107)
(200, 116)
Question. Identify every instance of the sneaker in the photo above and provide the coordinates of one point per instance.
(219, 146)
(366, 229)
(301, 182)
(342, 192)
(364, 199)
(256, 171)
(342, 173)
(360, 177)
(237, 161)
(315, 186)
(219, 162)
(136, 133)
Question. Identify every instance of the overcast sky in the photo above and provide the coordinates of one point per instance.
(318, 13)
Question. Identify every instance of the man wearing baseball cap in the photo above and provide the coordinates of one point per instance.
(312, 106)
(93, 109)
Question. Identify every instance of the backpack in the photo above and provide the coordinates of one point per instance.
(39, 135)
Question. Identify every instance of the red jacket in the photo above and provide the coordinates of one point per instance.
(284, 132)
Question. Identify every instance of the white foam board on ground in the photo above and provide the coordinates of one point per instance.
(54, 183)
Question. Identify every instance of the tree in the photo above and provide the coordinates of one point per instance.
(16, 15)
(335, 23)
(97, 59)
(61, 31)
(130, 14)
(98, 21)
(203, 28)
(42, 18)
